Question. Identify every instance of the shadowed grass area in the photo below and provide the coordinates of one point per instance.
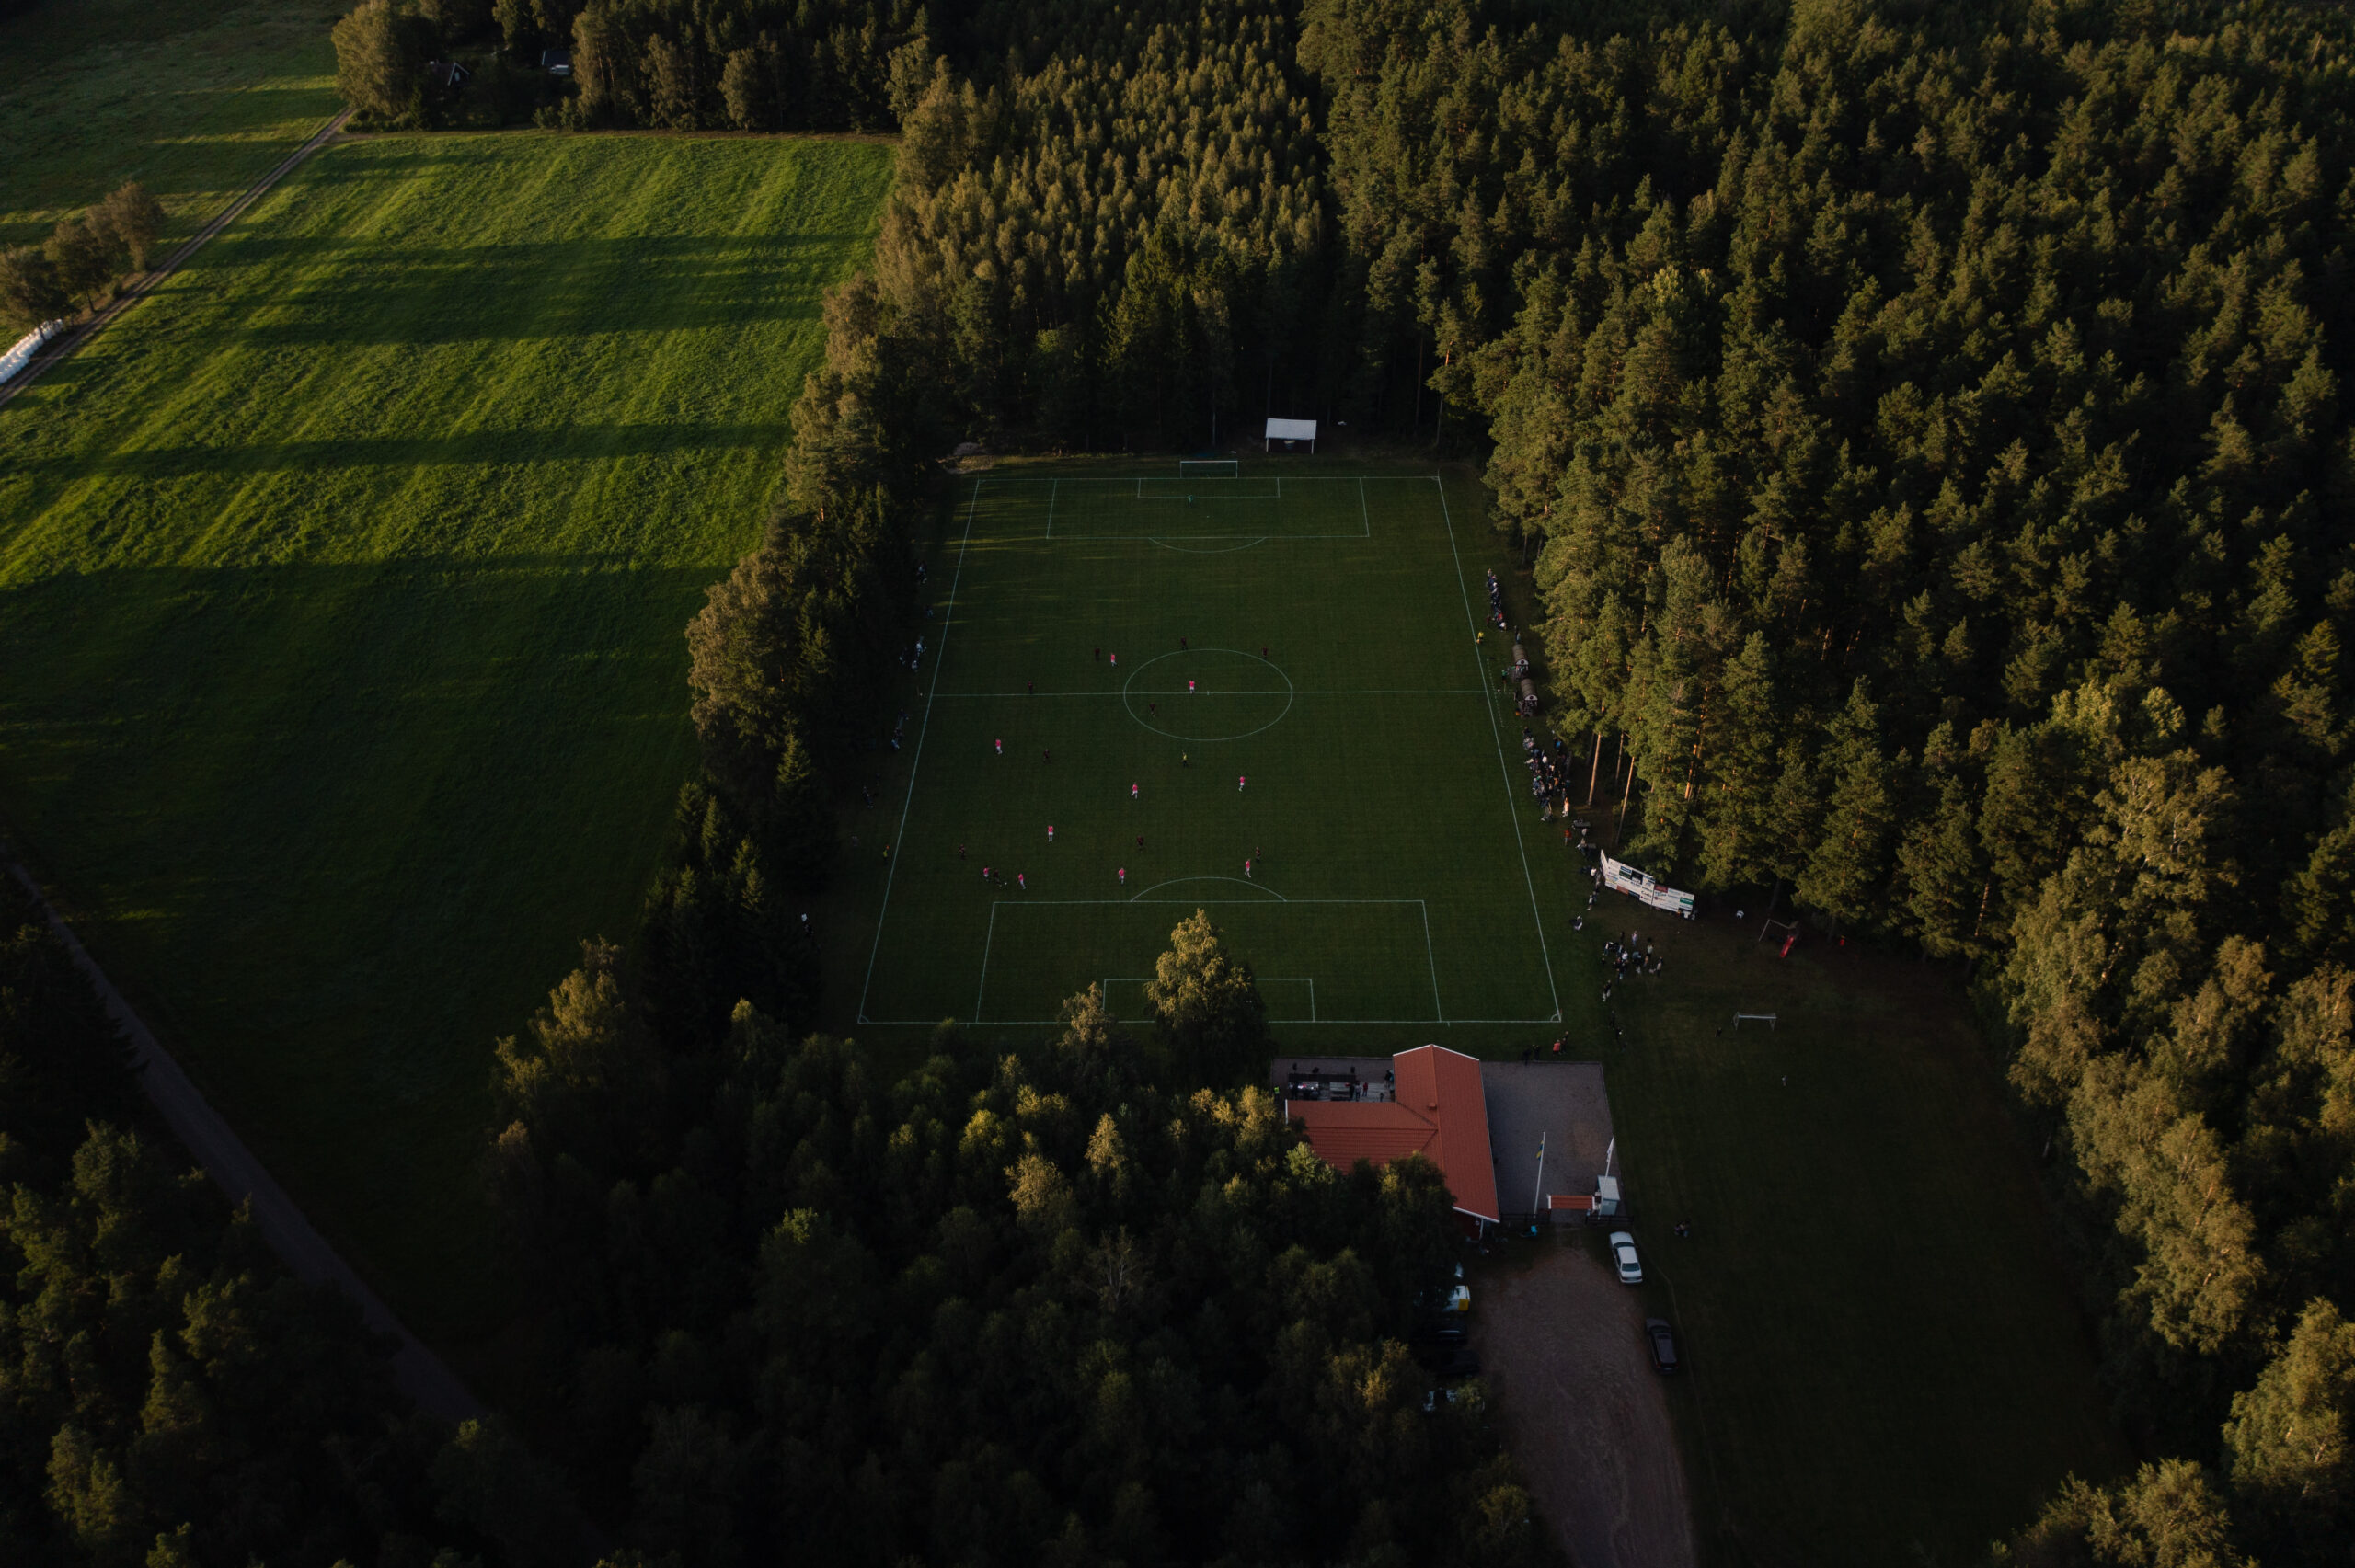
(342, 675)
(1886, 1360)
(196, 98)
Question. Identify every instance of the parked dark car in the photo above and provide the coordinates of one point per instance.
(1456, 1363)
(1438, 1331)
(1663, 1343)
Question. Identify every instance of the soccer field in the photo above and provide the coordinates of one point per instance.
(1270, 696)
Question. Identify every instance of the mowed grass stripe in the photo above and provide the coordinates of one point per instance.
(341, 591)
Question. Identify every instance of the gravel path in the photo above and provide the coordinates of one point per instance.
(421, 1373)
(1562, 1344)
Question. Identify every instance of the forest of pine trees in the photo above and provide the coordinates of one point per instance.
(1925, 422)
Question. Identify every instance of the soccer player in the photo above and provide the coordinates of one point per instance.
(1050, 832)
(1133, 792)
(1000, 747)
(1239, 781)
(1124, 877)
(1115, 662)
(1190, 685)
(1024, 882)
(986, 874)
(1246, 868)
(1139, 841)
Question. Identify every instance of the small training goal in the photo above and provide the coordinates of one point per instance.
(1209, 468)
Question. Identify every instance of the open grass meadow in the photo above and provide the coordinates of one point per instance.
(342, 587)
(1887, 1361)
(197, 99)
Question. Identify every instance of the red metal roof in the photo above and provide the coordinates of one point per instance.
(1441, 1113)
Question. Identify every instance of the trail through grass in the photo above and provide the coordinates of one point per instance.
(341, 593)
(196, 98)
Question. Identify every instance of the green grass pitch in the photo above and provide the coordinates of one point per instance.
(342, 585)
(1272, 697)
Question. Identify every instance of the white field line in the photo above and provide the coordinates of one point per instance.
(983, 984)
(915, 764)
(1511, 807)
(1431, 959)
(1256, 691)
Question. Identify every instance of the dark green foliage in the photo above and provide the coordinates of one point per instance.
(30, 291)
(1009, 1307)
(739, 64)
(2167, 1517)
(164, 1387)
(381, 50)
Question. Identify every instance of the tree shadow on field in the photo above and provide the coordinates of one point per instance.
(638, 284)
(341, 825)
(562, 443)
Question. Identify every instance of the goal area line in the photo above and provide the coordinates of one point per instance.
(980, 1015)
(1160, 490)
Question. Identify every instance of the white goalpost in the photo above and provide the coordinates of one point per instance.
(1209, 468)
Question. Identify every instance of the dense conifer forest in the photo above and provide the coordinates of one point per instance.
(1923, 424)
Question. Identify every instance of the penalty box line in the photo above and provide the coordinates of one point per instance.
(915, 764)
(1054, 495)
(989, 941)
(1109, 982)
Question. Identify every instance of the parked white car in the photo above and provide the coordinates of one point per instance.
(1622, 1253)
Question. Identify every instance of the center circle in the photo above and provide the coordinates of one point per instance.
(1207, 694)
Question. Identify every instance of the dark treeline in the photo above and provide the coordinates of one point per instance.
(663, 64)
(1928, 424)
(170, 1395)
(1055, 1306)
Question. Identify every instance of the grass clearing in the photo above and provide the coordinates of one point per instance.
(197, 99)
(1886, 1360)
(1885, 1350)
(341, 594)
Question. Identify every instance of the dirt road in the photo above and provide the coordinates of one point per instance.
(1562, 1344)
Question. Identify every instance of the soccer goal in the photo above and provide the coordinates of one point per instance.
(1210, 468)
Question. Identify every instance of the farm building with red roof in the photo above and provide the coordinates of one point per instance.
(1438, 1109)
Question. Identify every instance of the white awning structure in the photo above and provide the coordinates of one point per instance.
(1292, 430)
(1621, 877)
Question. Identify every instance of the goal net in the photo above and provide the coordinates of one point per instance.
(1210, 468)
